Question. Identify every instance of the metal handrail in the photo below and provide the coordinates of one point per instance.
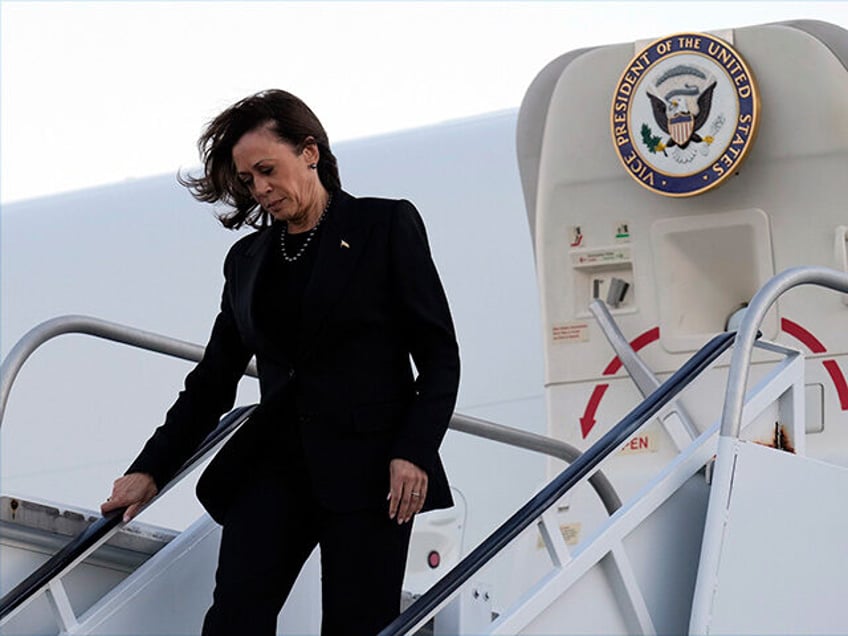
(640, 373)
(124, 334)
(449, 584)
(158, 343)
(100, 531)
(539, 443)
(737, 378)
(99, 328)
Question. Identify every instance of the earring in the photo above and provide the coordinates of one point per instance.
(313, 166)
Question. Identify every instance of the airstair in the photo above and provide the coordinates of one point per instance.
(69, 571)
(732, 536)
(758, 550)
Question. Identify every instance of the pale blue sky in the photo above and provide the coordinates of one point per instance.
(99, 92)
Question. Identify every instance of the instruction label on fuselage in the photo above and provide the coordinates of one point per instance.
(570, 332)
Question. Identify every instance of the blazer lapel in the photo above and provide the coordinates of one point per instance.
(254, 262)
(339, 252)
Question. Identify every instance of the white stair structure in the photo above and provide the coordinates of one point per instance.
(116, 591)
(734, 557)
(774, 547)
(774, 555)
(636, 575)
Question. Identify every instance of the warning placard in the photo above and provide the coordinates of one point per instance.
(570, 332)
(570, 534)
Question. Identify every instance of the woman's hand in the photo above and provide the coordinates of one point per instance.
(132, 492)
(408, 490)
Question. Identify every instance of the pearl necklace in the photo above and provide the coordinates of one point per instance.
(292, 259)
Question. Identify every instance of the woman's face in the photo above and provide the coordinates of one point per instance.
(279, 179)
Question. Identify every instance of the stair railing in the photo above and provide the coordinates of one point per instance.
(740, 361)
(99, 328)
(47, 578)
(449, 585)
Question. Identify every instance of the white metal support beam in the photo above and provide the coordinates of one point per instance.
(627, 585)
(61, 605)
(552, 536)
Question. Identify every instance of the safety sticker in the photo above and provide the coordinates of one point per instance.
(570, 332)
(570, 534)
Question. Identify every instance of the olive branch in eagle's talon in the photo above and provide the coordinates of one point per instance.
(653, 143)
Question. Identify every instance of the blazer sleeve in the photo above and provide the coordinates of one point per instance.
(210, 390)
(429, 331)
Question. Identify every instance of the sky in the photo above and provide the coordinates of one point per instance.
(100, 92)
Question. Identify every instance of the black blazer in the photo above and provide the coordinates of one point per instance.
(373, 300)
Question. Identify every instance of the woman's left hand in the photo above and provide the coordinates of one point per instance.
(408, 490)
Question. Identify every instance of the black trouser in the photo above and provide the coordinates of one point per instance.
(268, 534)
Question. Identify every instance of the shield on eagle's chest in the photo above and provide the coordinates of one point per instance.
(681, 127)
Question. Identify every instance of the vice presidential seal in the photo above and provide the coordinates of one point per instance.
(684, 114)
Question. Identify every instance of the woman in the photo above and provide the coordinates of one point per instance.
(332, 294)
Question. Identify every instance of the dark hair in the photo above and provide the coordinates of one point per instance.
(284, 114)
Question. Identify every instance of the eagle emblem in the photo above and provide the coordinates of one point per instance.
(681, 100)
(684, 114)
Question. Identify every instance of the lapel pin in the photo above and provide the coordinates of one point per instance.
(345, 243)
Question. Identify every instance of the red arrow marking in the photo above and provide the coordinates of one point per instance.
(805, 337)
(838, 381)
(640, 341)
(587, 422)
(588, 419)
(815, 345)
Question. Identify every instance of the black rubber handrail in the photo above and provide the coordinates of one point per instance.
(77, 546)
(567, 479)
